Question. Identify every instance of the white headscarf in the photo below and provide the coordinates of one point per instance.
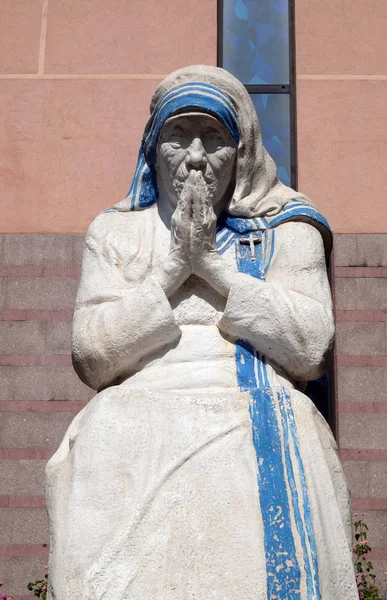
(258, 191)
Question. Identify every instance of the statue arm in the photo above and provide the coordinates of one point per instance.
(288, 317)
(116, 323)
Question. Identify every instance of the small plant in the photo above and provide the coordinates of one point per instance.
(4, 596)
(39, 587)
(364, 570)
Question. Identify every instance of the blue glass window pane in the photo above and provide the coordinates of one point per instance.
(273, 112)
(256, 40)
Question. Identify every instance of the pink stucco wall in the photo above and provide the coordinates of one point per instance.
(342, 118)
(75, 85)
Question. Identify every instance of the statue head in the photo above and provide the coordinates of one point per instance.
(195, 141)
(205, 110)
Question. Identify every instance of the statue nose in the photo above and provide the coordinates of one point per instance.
(196, 155)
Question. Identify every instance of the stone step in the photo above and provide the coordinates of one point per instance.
(50, 293)
(22, 477)
(42, 383)
(23, 526)
(33, 429)
(26, 337)
(18, 572)
(41, 249)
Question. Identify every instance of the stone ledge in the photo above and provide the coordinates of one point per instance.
(360, 249)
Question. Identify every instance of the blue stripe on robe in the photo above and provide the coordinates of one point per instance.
(284, 502)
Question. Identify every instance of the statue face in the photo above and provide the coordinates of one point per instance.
(196, 141)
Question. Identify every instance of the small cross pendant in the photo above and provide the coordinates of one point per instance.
(251, 241)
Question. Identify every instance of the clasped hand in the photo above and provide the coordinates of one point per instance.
(193, 226)
(193, 240)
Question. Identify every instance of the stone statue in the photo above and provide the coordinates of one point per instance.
(200, 469)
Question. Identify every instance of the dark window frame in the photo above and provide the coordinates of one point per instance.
(289, 89)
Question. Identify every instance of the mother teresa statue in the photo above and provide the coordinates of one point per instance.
(200, 470)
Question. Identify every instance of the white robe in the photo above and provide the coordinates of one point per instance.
(153, 492)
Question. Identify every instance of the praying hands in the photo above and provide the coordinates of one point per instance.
(193, 241)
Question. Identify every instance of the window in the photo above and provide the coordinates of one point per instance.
(255, 43)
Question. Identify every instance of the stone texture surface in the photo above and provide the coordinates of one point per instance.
(361, 294)
(42, 383)
(88, 37)
(78, 246)
(58, 340)
(22, 477)
(39, 292)
(2, 290)
(361, 338)
(19, 35)
(360, 250)
(17, 572)
(22, 337)
(380, 570)
(41, 250)
(344, 249)
(364, 431)
(367, 478)
(341, 37)
(377, 524)
(340, 145)
(28, 337)
(371, 250)
(33, 430)
(23, 526)
(365, 384)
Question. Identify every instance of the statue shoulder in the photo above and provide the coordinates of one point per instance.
(298, 212)
(299, 246)
(112, 223)
(298, 233)
(117, 233)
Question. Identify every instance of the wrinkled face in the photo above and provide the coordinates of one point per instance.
(195, 141)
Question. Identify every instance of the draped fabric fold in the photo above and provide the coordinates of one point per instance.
(258, 191)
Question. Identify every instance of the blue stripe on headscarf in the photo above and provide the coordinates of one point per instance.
(143, 191)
